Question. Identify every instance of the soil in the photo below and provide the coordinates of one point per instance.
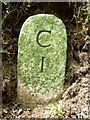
(75, 102)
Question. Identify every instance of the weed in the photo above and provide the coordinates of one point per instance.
(57, 111)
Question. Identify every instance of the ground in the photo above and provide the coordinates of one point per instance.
(74, 104)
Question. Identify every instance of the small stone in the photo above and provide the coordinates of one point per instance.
(5, 111)
(29, 109)
(20, 111)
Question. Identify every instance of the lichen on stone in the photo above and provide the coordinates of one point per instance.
(30, 54)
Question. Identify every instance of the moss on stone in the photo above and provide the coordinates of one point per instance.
(30, 54)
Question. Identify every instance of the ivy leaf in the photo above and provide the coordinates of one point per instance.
(4, 2)
(29, 2)
(1, 50)
(88, 41)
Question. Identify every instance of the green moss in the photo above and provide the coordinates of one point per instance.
(30, 54)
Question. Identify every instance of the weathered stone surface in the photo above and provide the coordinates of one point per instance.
(41, 59)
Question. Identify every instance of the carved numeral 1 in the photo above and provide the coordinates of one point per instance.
(42, 64)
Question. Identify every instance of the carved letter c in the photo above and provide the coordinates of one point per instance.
(38, 38)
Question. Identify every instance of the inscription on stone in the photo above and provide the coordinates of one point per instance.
(42, 49)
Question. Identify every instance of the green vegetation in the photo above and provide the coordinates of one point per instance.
(57, 111)
(81, 14)
(88, 41)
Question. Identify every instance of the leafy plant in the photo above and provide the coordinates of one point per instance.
(88, 41)
(29, 3)
(4, 1)
(2, 50)
(56, 111)
(81, 14)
